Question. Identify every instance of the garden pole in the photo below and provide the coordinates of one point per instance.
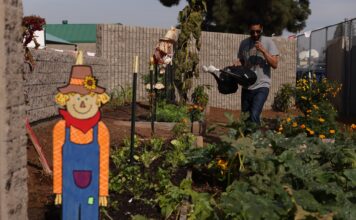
(151, 96)
(156, 93)
(133, 110)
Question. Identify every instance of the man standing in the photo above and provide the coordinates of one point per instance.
(258, 53)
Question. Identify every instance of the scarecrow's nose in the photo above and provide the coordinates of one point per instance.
(82, 104)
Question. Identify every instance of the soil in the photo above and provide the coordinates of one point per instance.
(41, 199)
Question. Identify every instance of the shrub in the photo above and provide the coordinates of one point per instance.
(313, 99)
(284, 98)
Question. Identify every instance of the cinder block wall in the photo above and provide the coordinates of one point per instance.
(13, 156)
(52, 70)
(119, 44)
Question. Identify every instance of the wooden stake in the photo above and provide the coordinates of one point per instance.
(38, 148)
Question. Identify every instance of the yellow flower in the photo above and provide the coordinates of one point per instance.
(289, 119)
(280, 128)
(353, 126)
(315, 107)
(295, 124)
(309, 111)
(89, 82)
(322, 136)
(311, 132)
(332, 131)
(302, 126)
(303, 97)
(222, 164)
(321, 120)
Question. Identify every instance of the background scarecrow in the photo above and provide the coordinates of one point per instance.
(81, 147)
(164, 50)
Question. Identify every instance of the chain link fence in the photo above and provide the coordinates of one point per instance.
(331, 52)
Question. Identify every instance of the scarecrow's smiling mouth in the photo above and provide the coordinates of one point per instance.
(83, 113)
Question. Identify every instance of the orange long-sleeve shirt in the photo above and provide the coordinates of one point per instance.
(78, 137)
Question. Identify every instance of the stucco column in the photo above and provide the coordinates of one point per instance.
(13, 158)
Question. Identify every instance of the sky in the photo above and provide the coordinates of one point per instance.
(150, 13)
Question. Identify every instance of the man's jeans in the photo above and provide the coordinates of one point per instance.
(252, 101)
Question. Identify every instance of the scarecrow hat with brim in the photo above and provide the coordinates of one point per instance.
(170, 36)
(81, 81)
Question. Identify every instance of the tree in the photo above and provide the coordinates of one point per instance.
(233, 15)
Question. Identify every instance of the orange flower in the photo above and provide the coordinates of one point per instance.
(295, 124)
(309, 111)
(322, 136)
(185, 120)
(302, 126)
(321, 120)
(353, 126)
(289, 119)
(332, 131)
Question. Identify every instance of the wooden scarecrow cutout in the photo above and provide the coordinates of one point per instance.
(164, 50)
(81, 147)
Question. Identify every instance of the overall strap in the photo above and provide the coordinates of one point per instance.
(95, 133)
(67, 133)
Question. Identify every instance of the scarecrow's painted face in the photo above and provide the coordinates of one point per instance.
(83, 107)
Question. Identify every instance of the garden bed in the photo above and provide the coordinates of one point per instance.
(41, 199)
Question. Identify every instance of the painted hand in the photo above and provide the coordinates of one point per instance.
(103, 201)
(58, 199)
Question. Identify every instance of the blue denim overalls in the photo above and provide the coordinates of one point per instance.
(80, 180)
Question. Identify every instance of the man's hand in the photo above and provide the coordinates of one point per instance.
(260, 47)
(237, 62)
(58, 199)
(103, 201)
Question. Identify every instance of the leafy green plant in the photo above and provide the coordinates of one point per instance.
(282, 178)
(177, 157)
(200, 99)
(283, 100)
(120, 96)
(174, 197)
(170, 112)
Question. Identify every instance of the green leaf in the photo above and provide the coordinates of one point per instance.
(306, 200)
(351, 175)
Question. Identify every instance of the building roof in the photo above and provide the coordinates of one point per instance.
(53, 39)
(73, 33)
